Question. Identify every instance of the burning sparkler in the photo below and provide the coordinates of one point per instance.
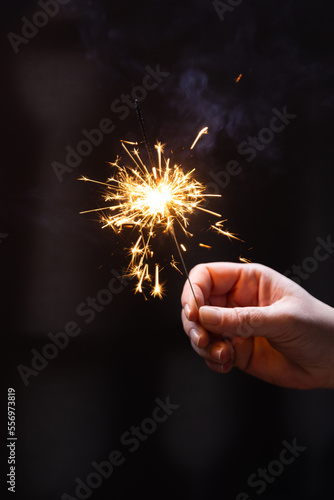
(151, 200)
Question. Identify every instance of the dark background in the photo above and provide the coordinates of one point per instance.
(107, 379)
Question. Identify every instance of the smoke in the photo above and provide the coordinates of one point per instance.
(282, 49)
(279, 68)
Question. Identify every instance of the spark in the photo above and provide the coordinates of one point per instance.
(204, 246)
(238, 78)
(158, 289)
(130, 142)
(150, 201)
(160, 148)
(218, 227)
(200, 133)
(243, 259)
(174, 264)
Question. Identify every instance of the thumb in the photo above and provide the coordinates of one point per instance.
(242, 321)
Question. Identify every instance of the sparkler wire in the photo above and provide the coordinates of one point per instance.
(183, 263)
(143, 131)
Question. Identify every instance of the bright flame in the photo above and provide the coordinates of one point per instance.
(157, 199)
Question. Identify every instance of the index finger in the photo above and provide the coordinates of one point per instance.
(211, 280)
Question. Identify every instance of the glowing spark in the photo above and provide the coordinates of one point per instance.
(243, 259)
(203, 131)
(204, 246)
(159, 147)
(173, 263)
(218, 227)
(157, 290)
(238, 78)
(131, 143)
(149, 201)
(143, 274)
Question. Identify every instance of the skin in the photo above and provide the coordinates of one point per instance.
(261, 322)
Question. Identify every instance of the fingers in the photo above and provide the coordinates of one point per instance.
(188, 301)
(217, 353)
(216, 278)
(216, 367)
(236, 304)
(200, 285)
(195, 331)
(251, 317)
(219, 279)
(223, 284)
(242, 321)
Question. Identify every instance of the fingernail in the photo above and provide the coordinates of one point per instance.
(187, 310)
(217, 354)
(209, 315)
(194, 335)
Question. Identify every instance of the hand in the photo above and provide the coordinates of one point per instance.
(256, 319)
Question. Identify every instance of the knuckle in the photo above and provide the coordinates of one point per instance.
(195, 269)
(243, 322)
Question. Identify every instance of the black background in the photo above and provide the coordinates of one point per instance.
(106, 380)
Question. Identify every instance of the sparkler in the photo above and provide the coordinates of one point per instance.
(151, 200)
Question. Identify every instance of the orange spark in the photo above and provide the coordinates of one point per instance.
(200, 133)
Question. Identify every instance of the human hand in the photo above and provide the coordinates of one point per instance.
(258, 320)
